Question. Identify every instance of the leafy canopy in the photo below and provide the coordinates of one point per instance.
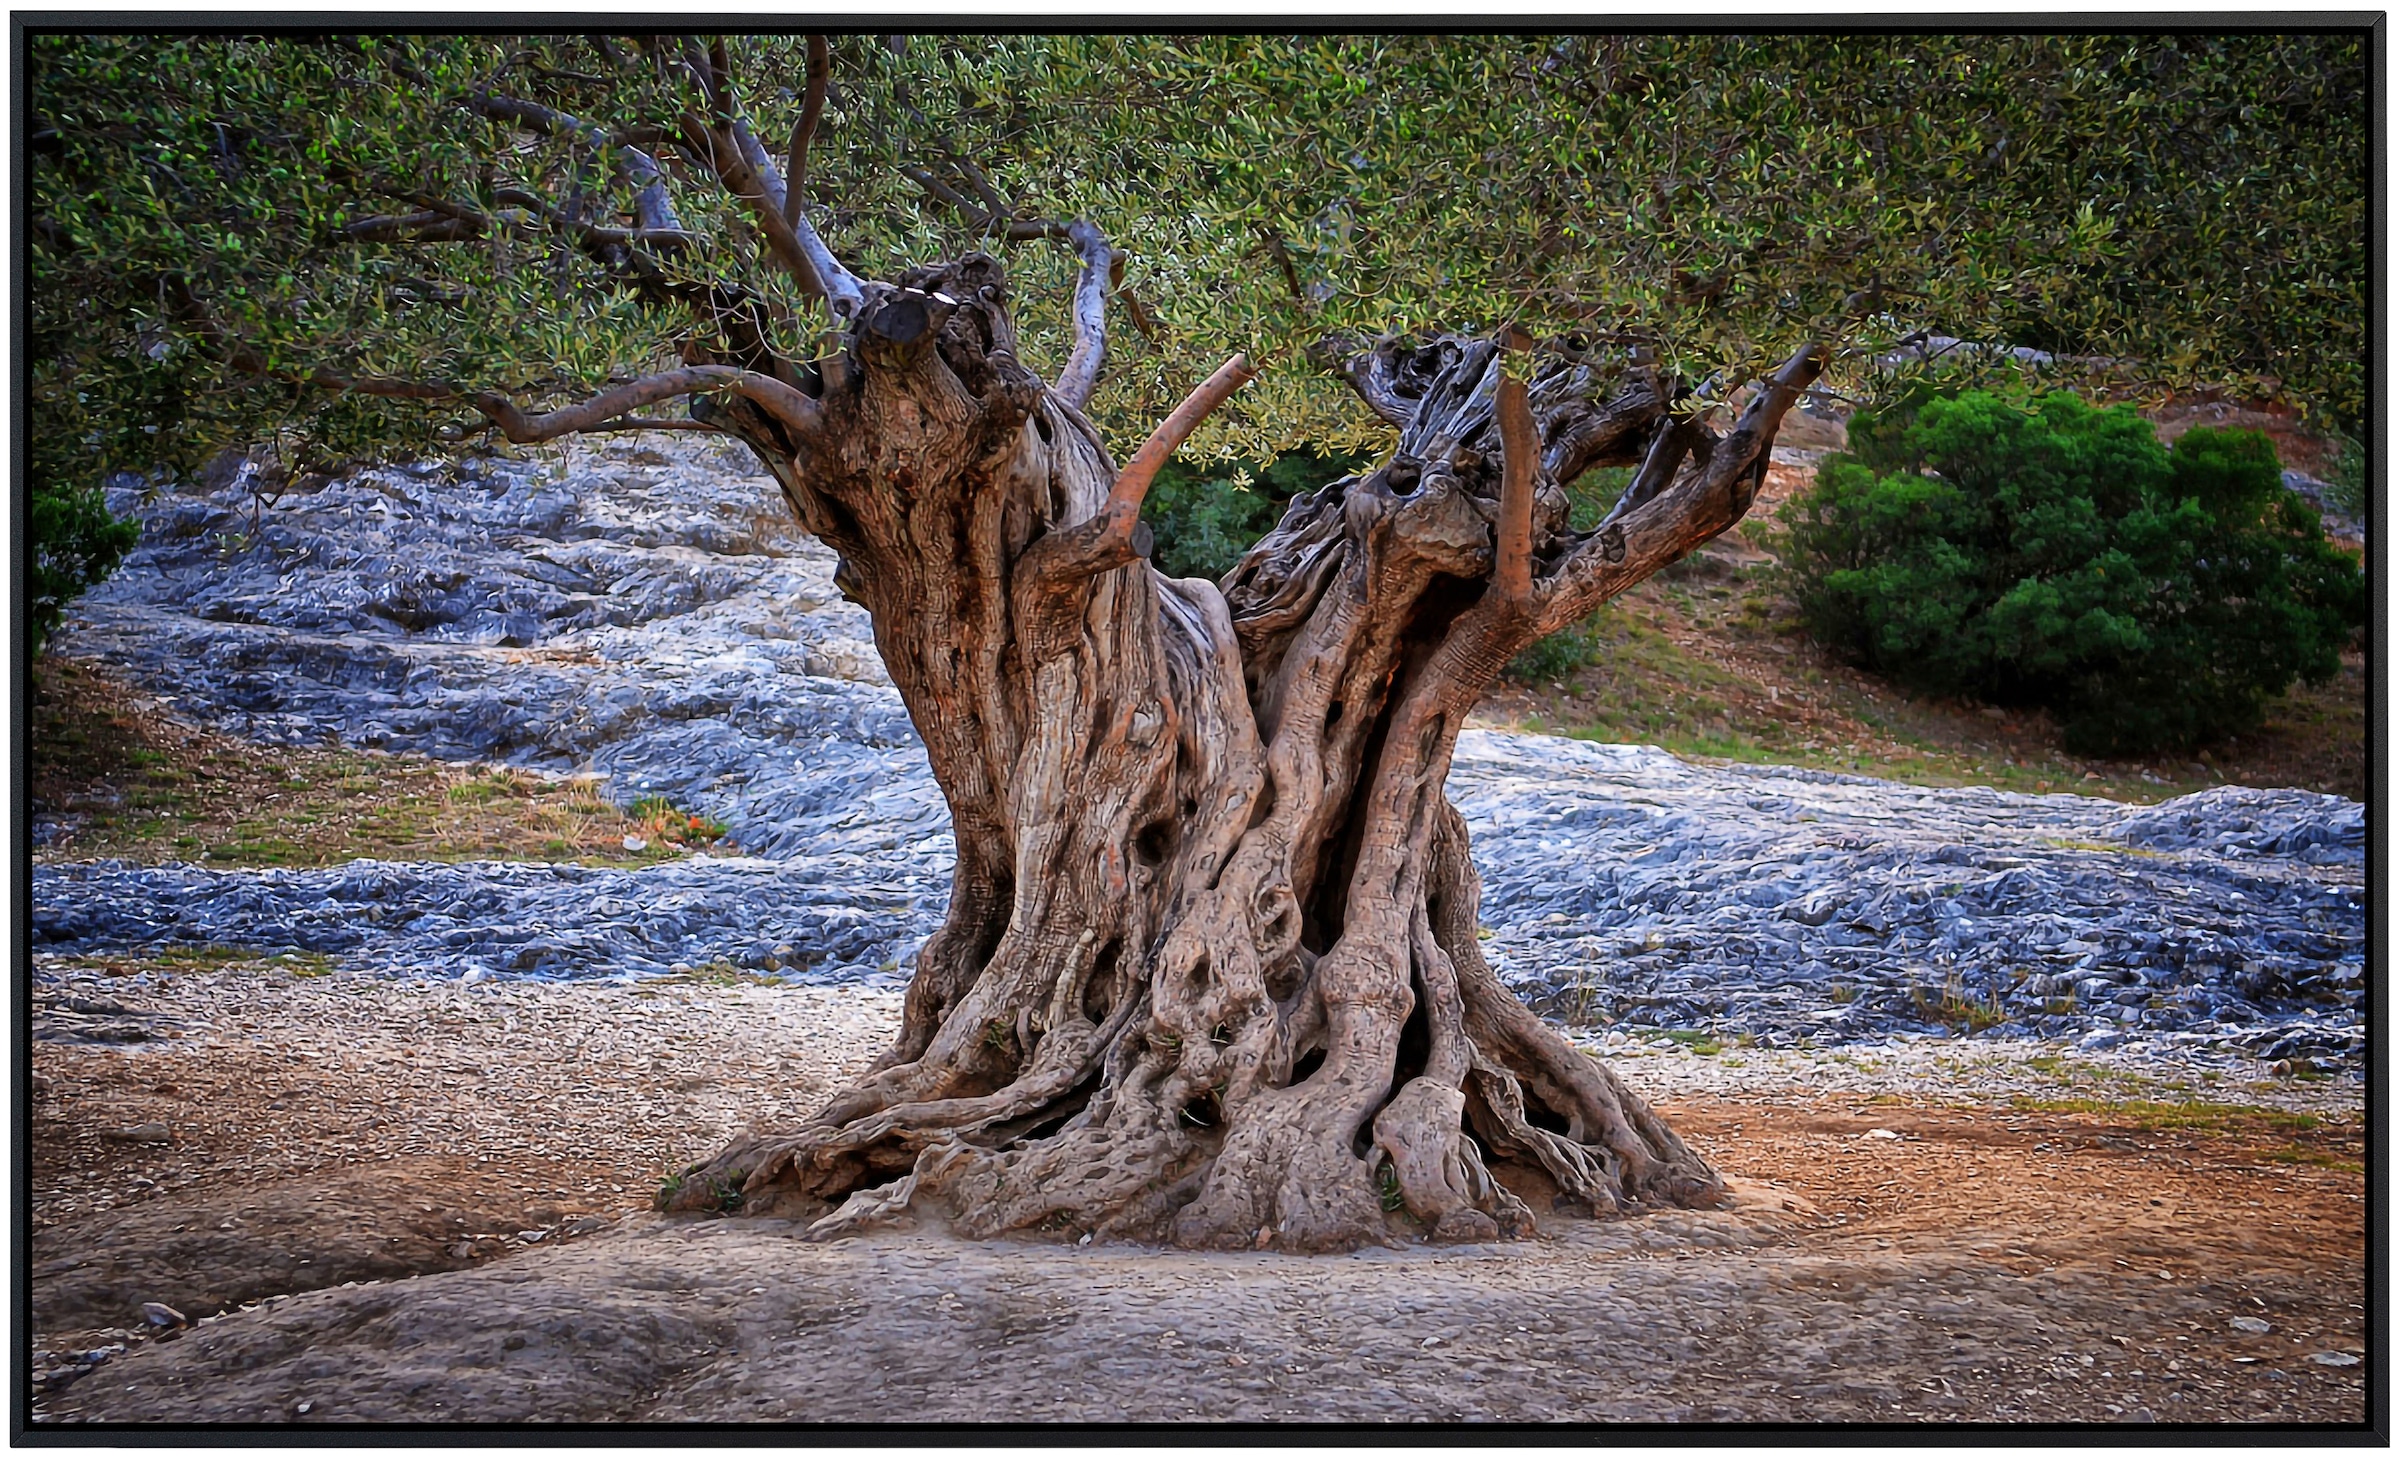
(2045, 552)
(2195, 201)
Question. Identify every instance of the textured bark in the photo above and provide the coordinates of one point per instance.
(1210, 970)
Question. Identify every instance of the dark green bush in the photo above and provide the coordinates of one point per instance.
(75, 543)
(2044, 552)
(1204, 520)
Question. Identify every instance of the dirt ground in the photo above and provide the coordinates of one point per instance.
(422, 1202)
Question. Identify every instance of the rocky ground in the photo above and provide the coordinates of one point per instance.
(2043, 1106)
(421, 1201)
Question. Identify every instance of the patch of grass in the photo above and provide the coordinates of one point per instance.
(2316, 1158)
(1707, 1045)
(1954, 1007)
(719, 973)
(2194, 1114)
(660, 820)
(195, 957)
(1709, 662)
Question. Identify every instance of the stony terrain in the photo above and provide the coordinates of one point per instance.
(641, 610)
(2044, 1107)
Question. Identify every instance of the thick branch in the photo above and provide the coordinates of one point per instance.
(592, 233)
(534, 117)
(1133, 482)
(1704, 500)
(770, 181)
(1676, 439)
(1368, 372)
(740, 161)
(1082, 373)
(652, 210)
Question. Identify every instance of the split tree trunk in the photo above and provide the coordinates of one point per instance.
(1210, 970)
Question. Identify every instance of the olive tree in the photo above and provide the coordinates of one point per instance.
(1210, 968)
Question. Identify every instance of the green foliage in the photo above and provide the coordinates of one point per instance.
(1715, 197)
(2045, 552)
(2346, 492)
(75, 543)
(1204, 520)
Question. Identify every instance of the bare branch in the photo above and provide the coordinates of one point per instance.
(630, 423)
(1133, 482)
(534, 117)
(420, 227)
(1000, 206)
(1116, 534)
(1520, 452)
(592, 233)
(945, 192)
(776, 398)
(804, 131)
(1677, 438)
(740, 161)
(1282, 255)
(1126, 296)
(652, 210)
(1082, 373)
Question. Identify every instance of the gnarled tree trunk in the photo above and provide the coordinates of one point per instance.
(1210, 970)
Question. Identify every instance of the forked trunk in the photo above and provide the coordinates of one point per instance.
(1210, 969)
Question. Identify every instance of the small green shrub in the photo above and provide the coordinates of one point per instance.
(2045, 552)
(75, 542)
(1556, 656)
(664, 821)
(1203, 519)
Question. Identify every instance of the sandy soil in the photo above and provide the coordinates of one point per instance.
(427, 1202)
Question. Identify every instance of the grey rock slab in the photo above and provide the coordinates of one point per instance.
(1622, 883)
(819, 919)
(646, 609)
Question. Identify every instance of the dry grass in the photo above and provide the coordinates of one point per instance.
(135, 784)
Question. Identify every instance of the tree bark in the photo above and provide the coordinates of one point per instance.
(1210, 970)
